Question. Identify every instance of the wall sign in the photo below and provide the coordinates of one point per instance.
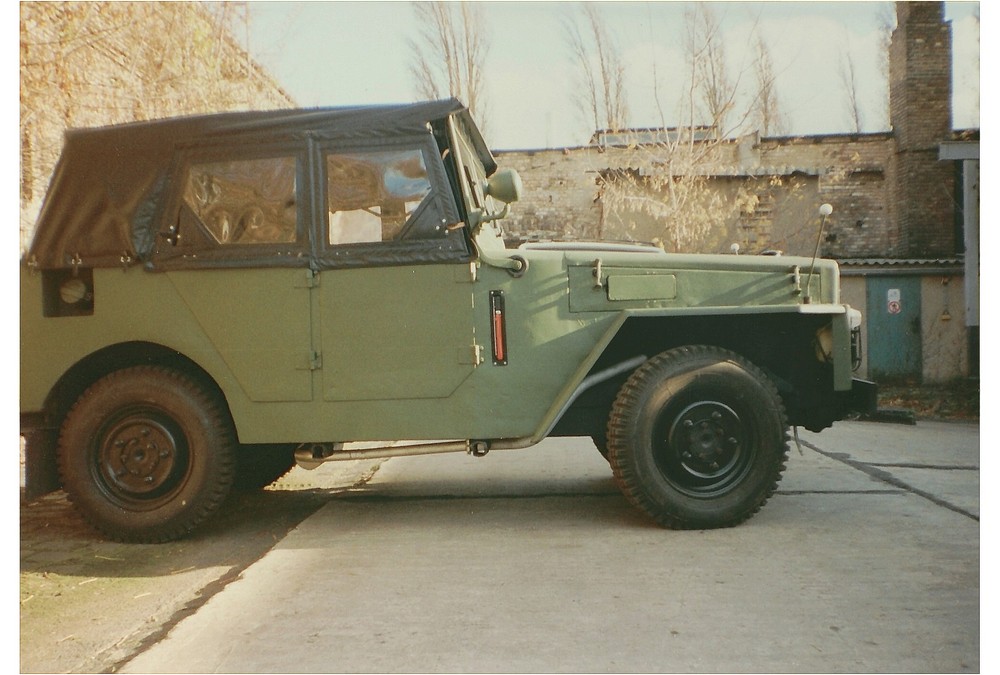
(893, 301)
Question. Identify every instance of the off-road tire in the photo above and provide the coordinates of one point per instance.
(147, 454)
(601, 443)
(697, 438)
(259, 465)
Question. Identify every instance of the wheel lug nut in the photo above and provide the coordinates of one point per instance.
(148, 479)
(688, 424)
(716, 415)
(732, 440)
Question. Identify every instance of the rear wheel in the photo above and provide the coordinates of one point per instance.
(147, 454)
(697, 438)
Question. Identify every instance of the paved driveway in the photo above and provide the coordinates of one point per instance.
(867, 560)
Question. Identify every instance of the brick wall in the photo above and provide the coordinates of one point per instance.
(560, 193)
(920, 113)
(852, 175)
(790, 178)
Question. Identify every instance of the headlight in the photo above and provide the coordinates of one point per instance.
(854, 316)
(824, 344)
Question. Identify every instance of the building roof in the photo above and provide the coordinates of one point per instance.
(893, 266)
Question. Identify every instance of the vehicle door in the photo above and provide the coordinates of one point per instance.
(395, 292)
(237, 252)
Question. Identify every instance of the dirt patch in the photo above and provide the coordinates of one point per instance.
(958, 401)
(88, 604)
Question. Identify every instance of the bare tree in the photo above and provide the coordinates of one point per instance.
(849, 80)
(450, 56)
(714, 90)
(602, 72)
(766, 110)
(660, 187)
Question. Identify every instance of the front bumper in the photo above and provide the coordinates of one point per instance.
(862, 398)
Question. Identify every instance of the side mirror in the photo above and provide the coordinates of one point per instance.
(504, 186)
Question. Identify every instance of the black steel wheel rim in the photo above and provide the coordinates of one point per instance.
(703, 448)
(141, 457)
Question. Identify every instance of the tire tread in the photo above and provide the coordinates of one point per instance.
(629, 398)
(219, 426)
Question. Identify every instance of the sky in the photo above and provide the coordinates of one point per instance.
(346, 53)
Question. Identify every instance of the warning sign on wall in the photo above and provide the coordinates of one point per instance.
(893, 301)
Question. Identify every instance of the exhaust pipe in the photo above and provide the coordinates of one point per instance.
(311, 455)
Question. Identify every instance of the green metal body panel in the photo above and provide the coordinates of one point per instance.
(396, 333)
(268, 350)
(399, 352)
(50, 346)
(404, 350)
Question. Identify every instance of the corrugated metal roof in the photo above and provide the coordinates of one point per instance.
(901, 262)
(864, 267)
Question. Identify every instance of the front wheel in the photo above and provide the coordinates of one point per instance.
(147, 454)
(697, 438)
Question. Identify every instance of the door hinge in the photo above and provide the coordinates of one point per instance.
(465, 275)
(471, 355)
(311, 361)
(309, 280)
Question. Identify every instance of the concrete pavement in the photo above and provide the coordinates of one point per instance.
(867, 560)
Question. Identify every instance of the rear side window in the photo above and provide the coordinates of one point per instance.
(248, 201)
(374, 196)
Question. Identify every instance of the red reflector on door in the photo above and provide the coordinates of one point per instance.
(498, 333)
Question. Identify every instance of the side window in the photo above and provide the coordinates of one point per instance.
(245, 201)
(372, 196)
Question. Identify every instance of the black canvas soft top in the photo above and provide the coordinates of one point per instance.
(107, 184)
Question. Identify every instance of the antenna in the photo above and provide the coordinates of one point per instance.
(824, 211)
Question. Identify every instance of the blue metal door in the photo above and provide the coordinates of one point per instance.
(893, 320)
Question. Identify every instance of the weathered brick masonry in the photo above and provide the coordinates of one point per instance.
(851, 171)
(920, 113)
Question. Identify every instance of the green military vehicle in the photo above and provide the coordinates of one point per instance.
(209, 299)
